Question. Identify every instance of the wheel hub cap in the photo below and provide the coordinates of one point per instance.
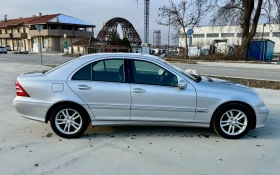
(68, 121)
(233, 122)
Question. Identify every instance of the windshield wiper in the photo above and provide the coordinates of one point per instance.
(197, 77)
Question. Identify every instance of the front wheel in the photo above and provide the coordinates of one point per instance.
(69, 121)
(232, 121)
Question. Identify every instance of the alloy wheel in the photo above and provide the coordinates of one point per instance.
(68, 121)
(233, 122)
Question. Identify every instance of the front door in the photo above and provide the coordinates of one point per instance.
(102, 86)
(156, 97)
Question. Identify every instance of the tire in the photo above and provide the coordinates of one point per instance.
(67, 127)
(232, 121)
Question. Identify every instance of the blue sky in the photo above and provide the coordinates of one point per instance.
(96, 12)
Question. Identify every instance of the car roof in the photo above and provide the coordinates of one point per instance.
(68, 67)
(123, 55)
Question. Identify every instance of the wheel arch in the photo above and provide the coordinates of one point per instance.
(237, 102)
(54, 106)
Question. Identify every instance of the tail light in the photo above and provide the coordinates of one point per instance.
(20, 91)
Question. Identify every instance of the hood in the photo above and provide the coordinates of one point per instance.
(215, 83)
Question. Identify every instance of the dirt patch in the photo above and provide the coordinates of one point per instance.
(49, 134)
(253, 83)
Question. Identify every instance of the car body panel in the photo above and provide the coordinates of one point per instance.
(114, 101)
(107, 100)
(161, 103)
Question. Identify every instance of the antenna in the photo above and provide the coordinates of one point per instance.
(137, 3)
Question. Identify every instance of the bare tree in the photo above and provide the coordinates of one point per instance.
(188, 13)
(247, 14)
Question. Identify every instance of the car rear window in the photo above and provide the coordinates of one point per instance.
(2, 47)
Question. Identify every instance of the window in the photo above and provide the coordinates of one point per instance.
(46, 42)
(104, 70)
(259, 34)
(149, 73)
(227, 34)
(83, 74)
(108, 70)
(276, 34)
(239, 35)
(212, 35)
(198, 35)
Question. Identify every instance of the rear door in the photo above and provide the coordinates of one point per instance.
(102, 86)
(155, 94)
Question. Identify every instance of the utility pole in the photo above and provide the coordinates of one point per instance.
(168, 33)
(146, 19)
(39, 29)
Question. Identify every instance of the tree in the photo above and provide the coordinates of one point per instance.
(180, 16)
(247, 14)
(114, 38)
(126, 42)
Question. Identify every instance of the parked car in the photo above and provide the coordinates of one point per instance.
(8, 48)
(3, 50)
(135, 89)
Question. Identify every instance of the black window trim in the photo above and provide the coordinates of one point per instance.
(103, 59)
(131, 74)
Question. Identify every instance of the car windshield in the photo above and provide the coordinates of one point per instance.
(179, 69)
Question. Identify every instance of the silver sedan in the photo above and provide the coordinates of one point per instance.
(135, 89)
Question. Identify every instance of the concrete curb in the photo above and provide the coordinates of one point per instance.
(241, 78)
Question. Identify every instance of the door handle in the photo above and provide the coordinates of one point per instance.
(84, 87)
(138, 90)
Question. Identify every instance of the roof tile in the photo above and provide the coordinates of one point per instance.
(28, 20)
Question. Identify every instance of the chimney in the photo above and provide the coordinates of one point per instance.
(6, 16)
(40, 14)
(33, 15)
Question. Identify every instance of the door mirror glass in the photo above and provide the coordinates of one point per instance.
(182, 84)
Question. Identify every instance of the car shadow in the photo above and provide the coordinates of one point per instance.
(148, 131)
(165, 131)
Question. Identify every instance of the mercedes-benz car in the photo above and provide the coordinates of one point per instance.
(135, 89)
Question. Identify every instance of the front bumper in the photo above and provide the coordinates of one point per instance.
(31, 109)
(262, 113)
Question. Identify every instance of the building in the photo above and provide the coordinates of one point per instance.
(58, 32)
(205, 35)
(88, 45)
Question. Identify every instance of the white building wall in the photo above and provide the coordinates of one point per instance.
(222, 31)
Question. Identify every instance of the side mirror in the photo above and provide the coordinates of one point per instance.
(182, 84)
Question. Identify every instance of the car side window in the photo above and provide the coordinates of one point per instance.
(83, 74)
(108, 70)
(152, 74)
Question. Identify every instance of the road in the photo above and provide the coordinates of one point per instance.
(244, 70)
(30, 147)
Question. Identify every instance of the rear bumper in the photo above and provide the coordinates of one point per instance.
(262, 113)
(31, 109)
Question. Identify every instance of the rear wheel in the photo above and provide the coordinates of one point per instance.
(232, 121)
(69, 121)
